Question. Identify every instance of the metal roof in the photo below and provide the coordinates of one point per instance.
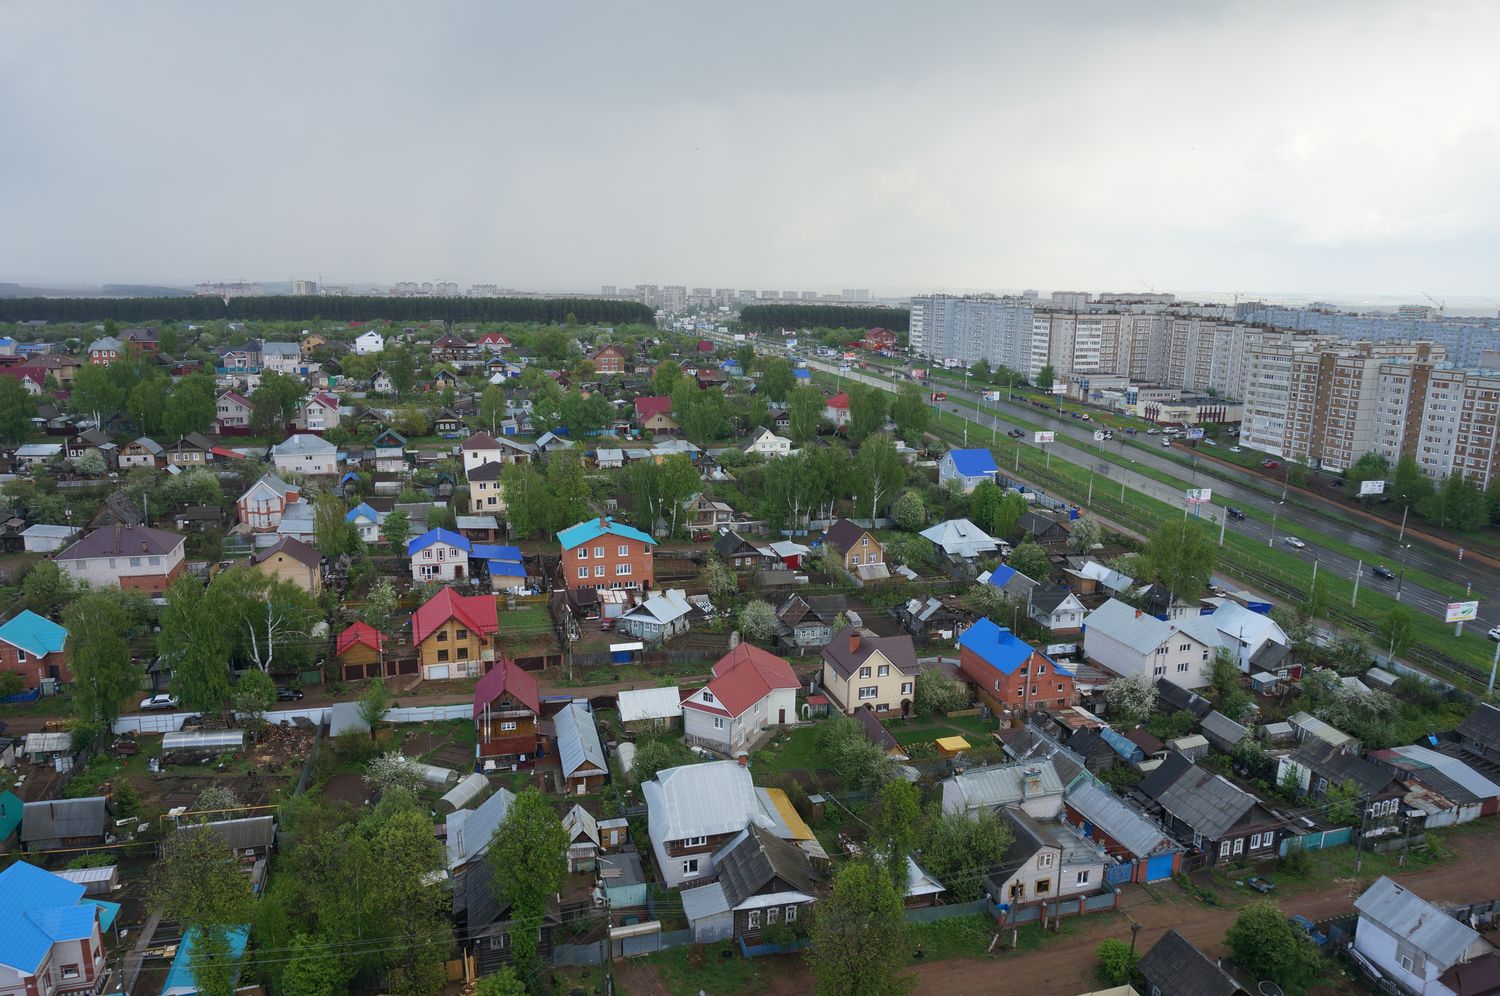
(999, 785)
(1207, 802)
(249, 833)
(1413, 920)
(1107, 811)
(54, 819)
(700, 800)
(578, 739)
(470, 830)
(57, 742)
(960, 538)
(649, 703)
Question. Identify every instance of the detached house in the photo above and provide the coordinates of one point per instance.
(1009, 674)
(1417, 946)
(361, 653)
(860, 668)
(232, 411)
(190, 451)
(808, 623)
(968, 467)
(135, 558)
(366, 521)
(750, 691)
(307, 454)
(584, 768)
(294, 561)
(1057, 610)
(438, 555)
(603, 553)
(861, 553)
(692, 812)
(1126, 641)
(35, 648)
(741, 554)
(507, 714)
(960, 542)
(836, 409)
(53, 937)
(104, 350)
(654, 414)
(1046, 861)
(486, 495)
(455, 634)
(764, 882)
(1219, 819)
(262, 506)
(369, 343)
(609, 359)
(764, 442)
(319, 413)
(663, 615)
(142, 452)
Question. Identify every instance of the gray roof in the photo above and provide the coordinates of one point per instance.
(280, 349)
(757, 858)
(649, 703)
(304, 443)
(1030, 743)
(1000, 784)
(960, 538)
(1416, 921)
(1173, 967)
(704, 902)
(578, 739)
(1207, 802)
(470, 830)
(1216, 725)
(1339, 766)
(59, 819)
(1122, 621)
(243, 834)
(123, 541)
(1111, 814)
(663, 607)
(1483, 724)
(700, 800)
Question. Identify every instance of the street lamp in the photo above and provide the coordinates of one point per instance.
(1401, 580)
(1271, 540)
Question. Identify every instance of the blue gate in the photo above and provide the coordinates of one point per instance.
(1159, 867)
(1119, 874)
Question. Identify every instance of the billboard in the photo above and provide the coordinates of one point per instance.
(1100, 435)
(1194, 434)
(1462, 612)
(1044, 437)
(992, 395)
(1197, 496)
(1371, 488)
(1059, 389)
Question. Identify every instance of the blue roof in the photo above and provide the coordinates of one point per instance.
(1128, 750)
(997, 646)
(180, 980)
(489, 551)
(1000, 575)
(973, 463)
(33, 633)
(506, 569)
(362, 509)
(585, 532)
(11, 807)
(803, 373)
(432, 536)
(40, 909)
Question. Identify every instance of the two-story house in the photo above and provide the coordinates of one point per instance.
(318, 413)
(264, 503)
(479, 449)
(455, 634)
(751, 691)
(1208, 812)
(836, 409)
(189, 452)
(860, 668)
(603, 553)
(765, 443)
(53, 937)
(438, 555)
(1046, 861)
(1009, 674)
(142, 452)
(104, 350)
(35, 648)
(369, 342)
(967, 467)
(858, 549)
(304, 453)
(486, 494)
(281, 357)
(292, 561)
(366, 521)
(740, 554)
(764, 882)
(609, 359)
(1126, 641)
(1057, 610)
(507, 714)
(692, 812)
(232, 411)
(134, 558)
(1418, 947)
(241, 359)
(705, 515)
(654, 414)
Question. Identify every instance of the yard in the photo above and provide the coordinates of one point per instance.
(928, 729)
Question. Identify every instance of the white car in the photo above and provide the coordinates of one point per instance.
(1235, 449)
(1152, 432)
(161, 700)
(1167, 442)
(1495, 633)
(1293, 542)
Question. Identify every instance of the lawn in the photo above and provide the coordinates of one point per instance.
(714, 968)
(796, 750)
(971, 728)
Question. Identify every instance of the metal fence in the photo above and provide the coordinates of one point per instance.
(1317, 841)
(19, 697)
(168, 722)
(929, 914)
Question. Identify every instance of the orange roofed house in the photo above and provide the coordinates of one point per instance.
(751, 689)
(361, 653)
(507, 708)
(455, 634)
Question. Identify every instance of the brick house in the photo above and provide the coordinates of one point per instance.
(602, 553)
(507, 711)
(53, 936)
(455, 634)
(264, 503)
(654, 414)
(1009, 674)
(136, 558)
(609, 359)
(35, 648)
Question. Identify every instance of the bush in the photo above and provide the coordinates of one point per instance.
(1116, 962)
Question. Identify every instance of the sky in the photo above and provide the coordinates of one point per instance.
(1259, 147)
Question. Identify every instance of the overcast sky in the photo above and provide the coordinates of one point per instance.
(1254, 147)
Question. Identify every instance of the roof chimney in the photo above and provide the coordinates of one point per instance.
(1137, 613)
(854, 641)
(603, 521)
(1031, 783)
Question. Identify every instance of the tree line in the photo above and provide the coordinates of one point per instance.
(448, 309)
(767, 317)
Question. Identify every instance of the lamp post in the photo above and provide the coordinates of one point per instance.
(1401, 581)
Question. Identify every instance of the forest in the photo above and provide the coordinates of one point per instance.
(767, 317)
(590, 311)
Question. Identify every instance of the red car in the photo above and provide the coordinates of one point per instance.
(1269, 464)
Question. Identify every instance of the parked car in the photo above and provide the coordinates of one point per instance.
(1269, 464)
(1235, 449)
(1309, 928)
(1129, 430)
(288, 694)
(1260, 885)
(160, 700)
(1237, 514)
(1382, 571)
(1085, 416)
(1152, 431)
(1167, 443)
(1494, 634)
(1337, 482)
(1209, 442)
(1293, 542)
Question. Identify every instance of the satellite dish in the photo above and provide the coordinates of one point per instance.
(1270, 989)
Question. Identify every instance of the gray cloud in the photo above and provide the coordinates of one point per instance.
(1338, 147)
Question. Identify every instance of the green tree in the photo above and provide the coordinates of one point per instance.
(666, 377)
(412, 422)
(1267, 946)
(936, 693)
(568, 492)
(191, 406)
(867, 410)
(652, 756)
(374, 703)
(1408, 484)
(193, 643)
(909, 512)
(1456, 504)
(1370, 467)
(46, 588)
(380, 610)
(527, 499)
(777, 381)
(312, 969)
(103, 673)
(144, 404)
(528, 865)
(805, 412)
(412, 903)
(911, 413)
(266, 619)
(395, 530)
(718, 580)
(757, 622)
(90, 463)
(254, 696)
(1131, 699)
(16, 410)
(879, 472)
(503, 983)
(198, 884)
(898, 817)
(1117, 961)
(333, 533)
(401, 368)
(860, 762)
(958, 850)
(981, 372)
(1181, 556)
(492, 407)
(1044, 378)
(96, 393)
(984, 501)
(1087, 532)
(1008, 514)
(1031, 560)
(1396, 630)
(859, 940)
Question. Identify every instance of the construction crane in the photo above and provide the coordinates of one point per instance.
(1434, 301)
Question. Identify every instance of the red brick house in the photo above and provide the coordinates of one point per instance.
(1009, 674)
(609, 359)
(35, 648)
(507, 710)
(603, 553)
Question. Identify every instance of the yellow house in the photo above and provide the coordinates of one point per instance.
(855, 543)
(862, 669)
(485, 496)
(294, 561)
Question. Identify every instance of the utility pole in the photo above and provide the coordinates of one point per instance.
(1223, 524)
(1495, 664)
(1359, 569)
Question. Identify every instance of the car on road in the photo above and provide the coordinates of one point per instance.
(288, 694)
(1209, 442)
(1269, 464)
(1237, 514)
(160, 700)
(1382, 571)
(1235, 449)
(1293, 542)
(1494, 633)
(1152, 431)
(1085, 416)
(1015, 433)
(1167, 443)
(1337, 482)
(1130, 430)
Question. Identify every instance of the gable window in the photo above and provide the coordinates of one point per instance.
(885, 671)
(583, 553)
(1044, 860)
(694, 841)
(864, 672)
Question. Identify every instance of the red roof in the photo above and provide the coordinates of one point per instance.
(840, 400)
(227, 453)
(236, 398)
(475, 611)
(492, 338)
(33, 374)
(507, 676)
(746, 675)
(360, 633)
(479, 441)
(705, 346)
(657, 404)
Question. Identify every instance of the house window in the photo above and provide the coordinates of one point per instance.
(598, 570)
(506, 726)
(1182, 667)
(69, 972)
(718, 722)
(583, 553)
(442, 636)
(1239, 846)
(462, 634)
(1406, 963)
(885, 671)
(1044, 860)
(1224, 849)
(442, 656)
(694, 841)
(869, 692)
(1083, 878)
(906, 688)
(707, 695)
(864, 672)
(622, 570)
(623, 550)
(1159, 670)
(583, 572)
(773, 914)
(1254, 841)
(690, 866)
(752, 920)
(135, 561)
(1043, 886)
(854, 560)
(599, 552)
(791, 914)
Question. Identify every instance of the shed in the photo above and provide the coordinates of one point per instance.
(55, 823)
(254, 834)
(43, 747)
(95, 881)
(1263, 682)
(1278, 733)
(201, 743)
(650, 708)
(1223, 732)
(1191, 747)
(1306, 725)
(1380, 678)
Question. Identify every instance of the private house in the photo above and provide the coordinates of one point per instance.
(1257, 641)
(968, 467)
(859, 550)
(117, 509)
(860, 668)
(241, 359)
(1209, 812)
(763, 882)
(1306, 726)
(1091, 578)
(1479, 733)
(1042, 528)
(492, 342)
(479, 449)
(302, 453)
(1009, 581)
(281, 357)
(35, 648)
(54, 824)
(603, 553)
(366, 521)
(369, 342)
(447, 422)
(142, 452)
(30, 455)
(505, 565)
(1032, 786)
(750, 691)
(692, 812)
(805, 623)
(438, 555)
(390, 452)
(765, 443)
(960, 542)
(1316, 768)
(190, 451)
(584, 768)
(1057, 610)
(455, 634)
(1046, 861)
(1414, 944)
(836, 410)
(609, 359)
(134, 558)
(293, 561)
(1126, 641)
(232, 411)
(1009, 674)
(1127, 835)
(663, 615)
(507, 715)
(452, 347)
(705, 515)
(743, 555)
(1173, 967)
(104, 350)
(650, 709)
(381, 383)
(264, 503)
(929, 618)
(654, 414)
(360, 650)
(79, 443)
(318, 413)
(51, 936)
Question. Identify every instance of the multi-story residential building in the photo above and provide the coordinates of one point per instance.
(104, 350)
(282, 357)
(135, 558)
(455, 634)
(1009, 674)
(35, 648)
(264, 502)
(603, 553)
(303, 453)
(319, 413)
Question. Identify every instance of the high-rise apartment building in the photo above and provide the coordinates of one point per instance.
(304, 288)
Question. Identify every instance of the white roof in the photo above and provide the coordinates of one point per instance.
(1455, 769)
(1414, 920)
(612, 454)
(578, 739)
(1110, 578)
(476, 522)
(663, 606)
(649, 703)
(467, 790)
(918, 882)
(1123, 622)
(704, 902)
(48, 743)
(470, 830)
(56, 532)
(1314, 726)
(997, 785)
(786, 548)
(304, 443)
(1238, 623)
(43, 449)
(700, 800)
(961, 538)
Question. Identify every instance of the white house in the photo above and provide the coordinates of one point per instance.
(1126, 641)
(1057, 609)
(970, 467)
(438, 555)
(381, 383)
(319, 413)
(264, 502)
(41, 538)
(751, 690)
(138, 558)
(1047, 861)
(1251, 636)
(367, 343)
(767, 444)
(367, 521)
(1033, 786)
(232, 410)
(1413, 943)
(303, 453)
(692, 811)
(282, 357)
(479, 449)
(660, 617)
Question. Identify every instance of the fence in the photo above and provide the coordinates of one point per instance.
(1317, 841)
(929, 914)
(168, 722)
(1057, 909)
(593, 954)
(757, 950)
(19, 697)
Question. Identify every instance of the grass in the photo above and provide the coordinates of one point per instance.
(971, 728)
(794, 751)
(705, 968)
(970, 936)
